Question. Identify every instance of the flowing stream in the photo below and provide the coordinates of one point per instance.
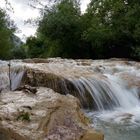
(10, 75)
(108, 90)
(111, 91)
(121, 120)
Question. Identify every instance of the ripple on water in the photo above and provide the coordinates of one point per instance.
(118, 124)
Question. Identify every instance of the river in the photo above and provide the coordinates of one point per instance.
(109, 90)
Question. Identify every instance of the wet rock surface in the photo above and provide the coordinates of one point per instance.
(82, 78)
(34, 113)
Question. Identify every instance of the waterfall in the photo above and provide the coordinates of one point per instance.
(105, 93)
(14, 75)
(99, 84)
(109, 90)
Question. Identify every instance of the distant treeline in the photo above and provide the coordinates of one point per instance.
(108, 28)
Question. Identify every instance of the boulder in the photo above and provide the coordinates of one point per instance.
(58, 83)
(45, 115)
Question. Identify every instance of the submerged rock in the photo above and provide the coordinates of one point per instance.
(45, 115)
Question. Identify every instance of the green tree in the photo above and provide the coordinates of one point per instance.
(113, 27)
(6, 31)
(61, 30)
(109, 28)
(20, 52)
(34, 47)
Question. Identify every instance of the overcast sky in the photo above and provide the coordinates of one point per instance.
(22, 12)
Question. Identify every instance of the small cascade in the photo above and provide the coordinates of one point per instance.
(16, 76)
(99, 85)
(10, 78)
(109, 90)
(105, 94)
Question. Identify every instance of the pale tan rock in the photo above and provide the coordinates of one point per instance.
(132, 79)
(49, 116)
(53, 116)
(92, 135)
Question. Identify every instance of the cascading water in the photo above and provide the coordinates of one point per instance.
(117, 104)
(107, 93)
(109, 90)
(112, 94)
(10, 77)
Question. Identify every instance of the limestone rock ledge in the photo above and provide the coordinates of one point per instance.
(45, 115)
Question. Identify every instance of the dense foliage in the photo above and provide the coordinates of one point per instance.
(60, 30)
(108, 28)
(113, 28)
(6, 32)
(10, 45)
